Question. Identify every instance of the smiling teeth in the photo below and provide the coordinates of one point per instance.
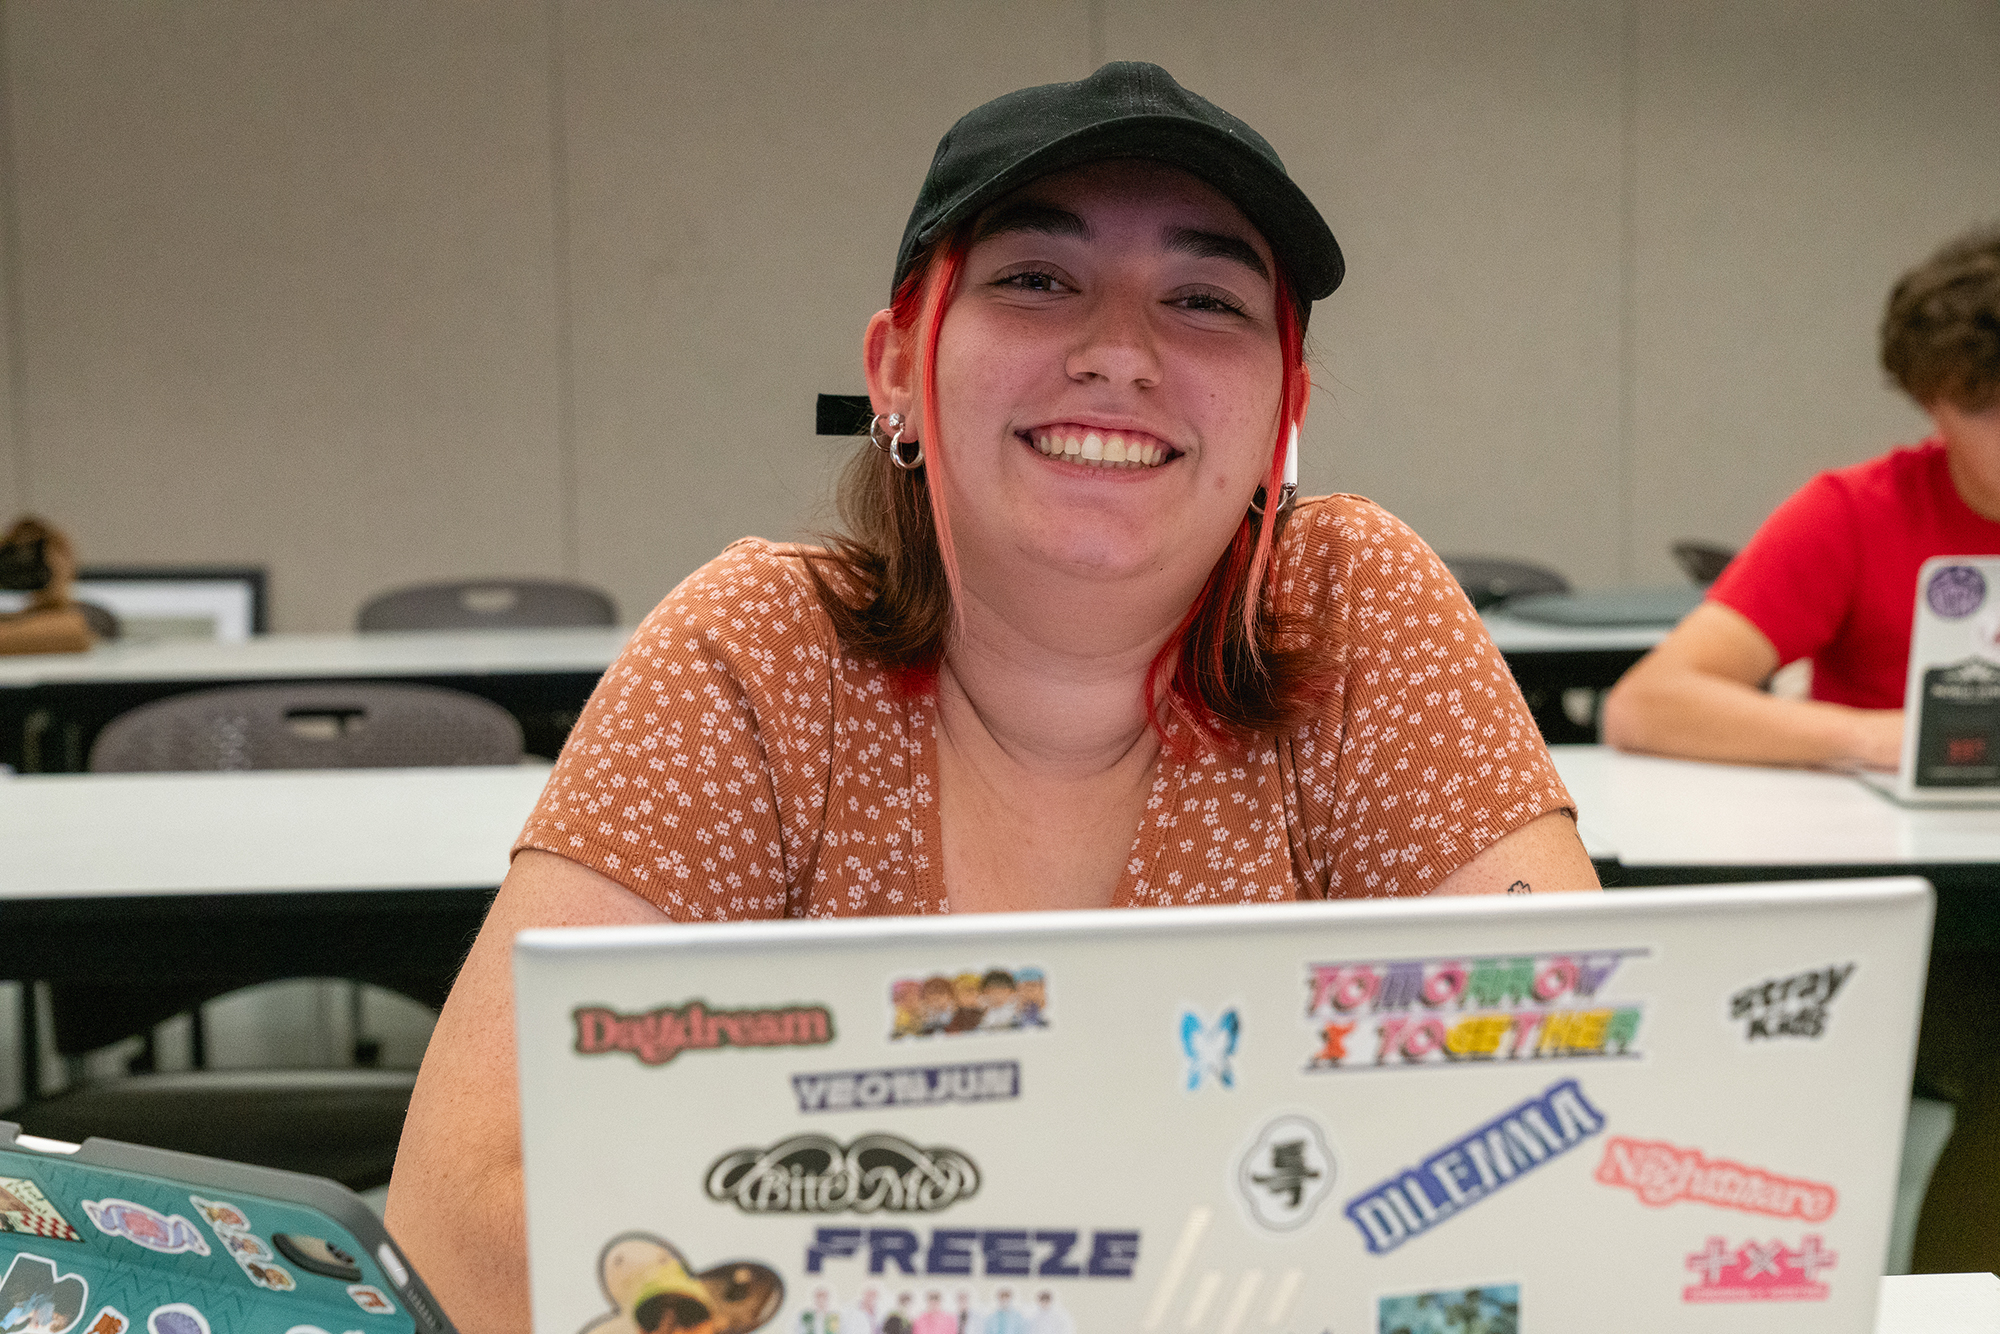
(1101, 449)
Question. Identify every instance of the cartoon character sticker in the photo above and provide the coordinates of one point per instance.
(176, 1318)
(24, 1209)
(35, 1299)
(168, 1234)
(1210, 1049)
(651, 1289)
(222, 1217)
(989, 1000)
(232, 1228)
(110, 1320)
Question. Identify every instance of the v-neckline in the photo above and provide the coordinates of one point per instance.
(1165, 779)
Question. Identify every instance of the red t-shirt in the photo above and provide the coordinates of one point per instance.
(1832, 574)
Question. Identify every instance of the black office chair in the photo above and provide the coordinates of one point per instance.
(1491, 581)
(1702, 562)
(324, 725)
(344, 1122)
(488, 604)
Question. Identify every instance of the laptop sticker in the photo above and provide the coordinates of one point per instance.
(1958, 725)
(371, 1299)
(1285, 1172)
(1210, 1048)
(110, 1320)
(34, 1296)
(1012, 1252)
(907, 1086)
(1474, 1166)
(176, 1318)
(992, 999)
(1661, 1174)
(658, 1036)
(1956, 591)
(1492, 1308)
(1371, 1013)
(219, 1216)
(232, 1228)
(1798, 1006)
(24, 1209)
(168, 1234)
(650, 1287)
(1759, 1271)
(817, 1174)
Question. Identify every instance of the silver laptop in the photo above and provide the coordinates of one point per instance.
(1951, 700)
(1645, 1110)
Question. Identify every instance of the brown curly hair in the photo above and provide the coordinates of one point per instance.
(1941, 333)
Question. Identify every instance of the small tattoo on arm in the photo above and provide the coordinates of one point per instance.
(1520, 887)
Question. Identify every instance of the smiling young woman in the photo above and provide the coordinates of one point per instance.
(1076, 648)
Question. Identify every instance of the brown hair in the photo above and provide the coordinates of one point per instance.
(1941, 333)
(1234, 667)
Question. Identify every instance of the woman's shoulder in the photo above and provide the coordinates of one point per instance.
(1335, 541)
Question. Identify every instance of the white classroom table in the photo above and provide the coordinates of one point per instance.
(52, 705)
(73, 836)
(1512, 635)
(1644, 811)
(1938, 1304)
(303, 656)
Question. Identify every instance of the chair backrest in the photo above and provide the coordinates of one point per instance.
(1702, 562)
(473, 604)
(1489, 581)
(312, 725)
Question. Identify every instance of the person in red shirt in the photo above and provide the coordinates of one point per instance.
(1832, 574)
(1832, 577)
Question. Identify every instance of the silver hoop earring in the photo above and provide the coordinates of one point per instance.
(892, 445)
(1285, 493)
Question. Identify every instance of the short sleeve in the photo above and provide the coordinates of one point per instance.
(690, 776)
(1796, 579)
(1427, 754)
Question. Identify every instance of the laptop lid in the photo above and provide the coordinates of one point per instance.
(1351, 1116)
(1951, 699)
(113, 1238)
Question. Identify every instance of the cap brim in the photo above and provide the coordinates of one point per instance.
(1294, 229)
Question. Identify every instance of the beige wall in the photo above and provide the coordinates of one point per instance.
(380, 291)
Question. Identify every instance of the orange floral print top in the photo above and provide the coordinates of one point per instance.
(736, 762)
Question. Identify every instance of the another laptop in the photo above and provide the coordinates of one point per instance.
(1951, 700)
(1643, 1110)
(111, 1238)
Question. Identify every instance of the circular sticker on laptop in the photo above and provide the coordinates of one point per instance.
(1955, 591)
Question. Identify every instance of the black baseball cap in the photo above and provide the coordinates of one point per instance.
(1128, 109)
